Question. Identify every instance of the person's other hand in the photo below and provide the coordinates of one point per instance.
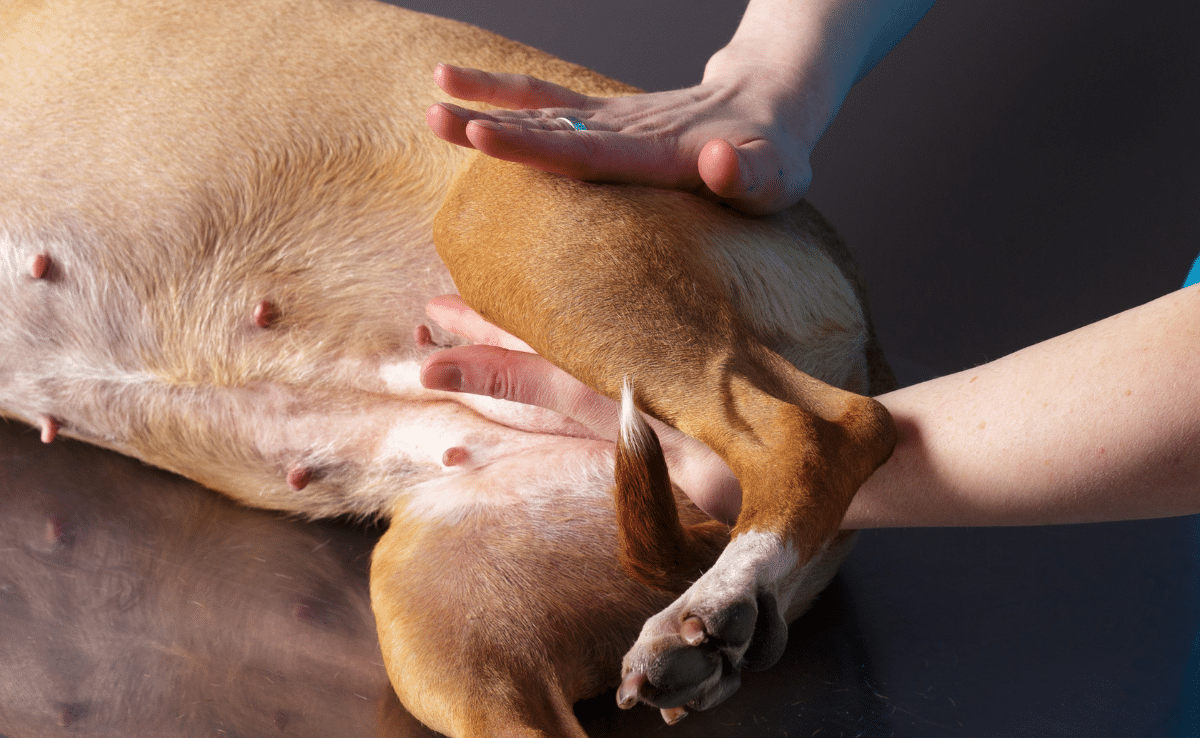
(725, 138)
(504, 367)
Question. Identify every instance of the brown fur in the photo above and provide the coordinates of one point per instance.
(216, 236)
(655, 547)
(631, 283)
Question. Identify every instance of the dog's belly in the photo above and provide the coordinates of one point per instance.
(271, 414)
(224, 282)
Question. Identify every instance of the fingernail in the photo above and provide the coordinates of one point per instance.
(455, 110)
(446, 377)
(491, 125)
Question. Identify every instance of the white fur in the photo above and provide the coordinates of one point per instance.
(754, 562)
(812, 299)
(635, 431)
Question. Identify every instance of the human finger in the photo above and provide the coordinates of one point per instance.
(450, 121)
(589, 155)
(519, 376)
(513, 91)
(451, 313)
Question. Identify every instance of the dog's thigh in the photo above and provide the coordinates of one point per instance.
(498, 595)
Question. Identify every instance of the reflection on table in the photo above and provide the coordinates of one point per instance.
(133, 602)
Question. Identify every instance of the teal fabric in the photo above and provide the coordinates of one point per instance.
(1184, 720)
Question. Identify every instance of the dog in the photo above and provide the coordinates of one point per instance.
(219, 223)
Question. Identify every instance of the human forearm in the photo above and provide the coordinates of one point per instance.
(803, 56)
(1099, 424)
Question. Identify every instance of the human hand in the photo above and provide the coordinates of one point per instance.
(735, 138)
(504, 367)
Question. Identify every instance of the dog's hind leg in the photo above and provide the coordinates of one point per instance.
(657, 548)
(663, 288)
(498, 595)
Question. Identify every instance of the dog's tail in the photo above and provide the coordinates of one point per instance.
(655, 547)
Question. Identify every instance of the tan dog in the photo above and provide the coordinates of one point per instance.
(217, 227)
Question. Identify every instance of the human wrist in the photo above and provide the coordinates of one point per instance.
(799, 58)
(796, 59)
(770, 90)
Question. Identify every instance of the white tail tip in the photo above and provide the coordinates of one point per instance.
(635, 431)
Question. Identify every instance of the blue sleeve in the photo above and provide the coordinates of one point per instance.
(1193, 276)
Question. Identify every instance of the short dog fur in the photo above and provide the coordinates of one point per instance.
(217, 230)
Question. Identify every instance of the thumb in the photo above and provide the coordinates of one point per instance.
(752, 177)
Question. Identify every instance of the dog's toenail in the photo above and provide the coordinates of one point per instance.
(692, 631)
(39, 265)
(299, 477)
(454, 456)
(422, 336)
(673, 715)
(265, 314)
(627, 694)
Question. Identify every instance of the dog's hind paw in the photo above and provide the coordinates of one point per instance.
(691, 654)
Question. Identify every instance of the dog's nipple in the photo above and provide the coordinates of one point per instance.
(39, 265)
(265, 314)
(58, 532)
(455, 455)
(299, 477)
(49, 428)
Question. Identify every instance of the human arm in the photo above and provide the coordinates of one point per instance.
(743, 135)
(1102, 423)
